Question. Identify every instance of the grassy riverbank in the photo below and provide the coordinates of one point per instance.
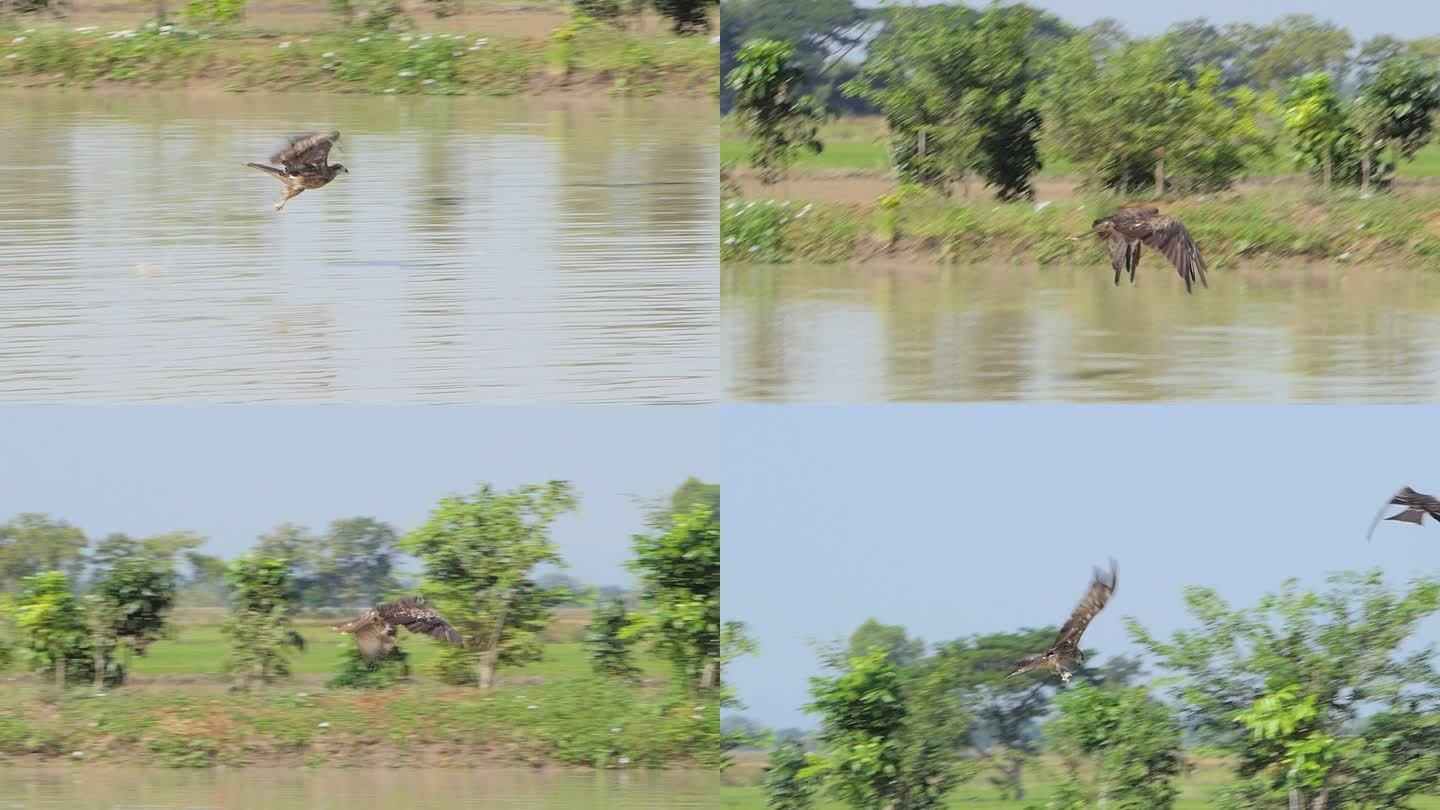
(741, 790)
(177, 711)
(591, 57)
(1256, 228)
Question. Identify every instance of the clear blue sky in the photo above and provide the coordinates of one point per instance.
(1398, 18)
(232, 473)
(961, 519)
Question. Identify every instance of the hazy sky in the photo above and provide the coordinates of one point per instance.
(233, 473)
(955, 520)
(1407, 20)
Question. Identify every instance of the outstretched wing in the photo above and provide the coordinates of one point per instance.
(408, 612)
(306, 150)
(1092, 603)
(373, 635)
(1417, 505)
(1169, 237)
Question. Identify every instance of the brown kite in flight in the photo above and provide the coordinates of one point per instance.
(1417, 506)
(1127, 229)
(374, 629)
(1066, 648)
(306, 162)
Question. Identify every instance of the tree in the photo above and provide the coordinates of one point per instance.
(691, 492)
(1336, 147)
(31, 543)
(261, 636)
(1349, 649)
(51, 623)
(679, 572)
(891, 638)
(1403, 96)
(822, 31)
(1005, 711)
(686, 16)
(953, 89)
(358, 672)
(784, 787)
(355, 563)
(161, 548)
(128, 608)
(1270, 56)
(479, 553)
(876, 751)
(607, 640)
(1127, 739)
(780, 123)
(1133, 117)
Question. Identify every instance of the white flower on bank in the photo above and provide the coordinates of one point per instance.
(623, 760)
(428, 81)
(283, 45)
(454, 53)
(78, 754)
(615, 730)
(13, 56)
(532, 707)
(327, 54)
(323, 725)
(1041, 206)
(405, 74)
(363, 39)
(389, 89)
(17, 40)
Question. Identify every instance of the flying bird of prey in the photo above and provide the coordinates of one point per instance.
(306, 164)
(1127, 229)
(374, 629)
(1066, 648)
(1417, 506)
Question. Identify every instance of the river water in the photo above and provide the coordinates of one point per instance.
(103, 788)
(1010, 333)
(480, 250)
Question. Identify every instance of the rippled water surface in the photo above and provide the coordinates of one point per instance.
(100, 788)
(1005, 333)
(480, 250)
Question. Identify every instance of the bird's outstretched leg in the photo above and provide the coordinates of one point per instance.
(286, 195)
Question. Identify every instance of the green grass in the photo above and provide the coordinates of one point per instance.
(1195, 790)
(580, 721)
(199, 650)
(437, 64)
(1257, 228)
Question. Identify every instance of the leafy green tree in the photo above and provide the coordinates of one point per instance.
(1404, 96)
(1129, 741)
(51, 624)
(1005, 711)
(1350, 649)
(822, 31)
(784, 787)
(163, 548)
(1339, 147)
(691, 492)
(1271, 55)
(607, 640)
(355, 563)
(129, 607)
(480, 553)
(1133, 117)
(886, 737)
(206, 573)
(780, 123)
(953, 90)
(260, 632)
(902, 650)
(31, 543)
(687, 16)
(679, 572)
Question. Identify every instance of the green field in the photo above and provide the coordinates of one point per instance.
(200, 650)
(859, 144)
(1042, 778)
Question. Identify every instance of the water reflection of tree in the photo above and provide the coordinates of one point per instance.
(1004, 332)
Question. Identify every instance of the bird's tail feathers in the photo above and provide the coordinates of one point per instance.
(1415, 516)
(1025, 665)
(278, 174)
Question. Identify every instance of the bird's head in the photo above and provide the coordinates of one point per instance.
(1101, 227)
(340, 167)
(419, 600)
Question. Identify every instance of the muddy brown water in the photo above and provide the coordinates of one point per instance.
(106, 788)
(915, 332)
(481, 250)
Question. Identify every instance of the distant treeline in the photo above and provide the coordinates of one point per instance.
(1315, 699)
(827, 34)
